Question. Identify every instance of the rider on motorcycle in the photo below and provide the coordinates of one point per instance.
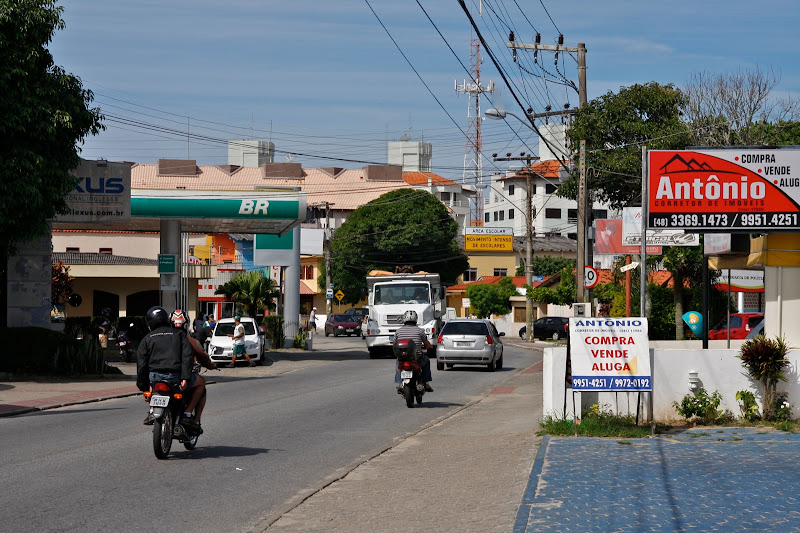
(198, 399)
(164, 355)
(410, 331)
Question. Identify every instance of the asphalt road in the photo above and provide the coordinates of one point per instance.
(269, 442)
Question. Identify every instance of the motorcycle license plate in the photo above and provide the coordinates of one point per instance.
(159, 401)
(406, 374)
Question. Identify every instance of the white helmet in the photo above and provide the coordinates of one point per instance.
(410, 316)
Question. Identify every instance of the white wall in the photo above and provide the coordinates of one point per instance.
(718, 370)
(147, 245)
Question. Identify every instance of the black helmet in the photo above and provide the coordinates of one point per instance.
(156, 317)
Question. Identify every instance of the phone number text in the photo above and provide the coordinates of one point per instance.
(725, 220)
(611, 383)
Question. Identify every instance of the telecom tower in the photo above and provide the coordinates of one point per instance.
(473, 167)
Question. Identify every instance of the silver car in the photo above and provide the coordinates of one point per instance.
(468, 341)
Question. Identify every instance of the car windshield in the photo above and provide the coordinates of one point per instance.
(465, 328)
(341, 318)
(226, 328)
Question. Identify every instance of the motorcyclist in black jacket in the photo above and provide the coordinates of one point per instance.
(164, 354)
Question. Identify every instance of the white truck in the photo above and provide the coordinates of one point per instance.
(391, 295)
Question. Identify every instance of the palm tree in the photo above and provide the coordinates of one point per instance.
(251, 291)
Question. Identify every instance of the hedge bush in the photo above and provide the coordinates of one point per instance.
(32, 350)
(273, 330)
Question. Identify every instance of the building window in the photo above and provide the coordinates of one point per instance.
(445, 196)
(572, 215)
(552, 212)
(486, 217)
(73, 250)
(502, 215)
(510, 214)
(550, 189)
(501, 272)
(599, 213)
(573, 236)
(106, 251)
(308, 272)
(511, 190)
(495, 216)
(471, 274)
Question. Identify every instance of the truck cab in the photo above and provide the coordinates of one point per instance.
(390, 296)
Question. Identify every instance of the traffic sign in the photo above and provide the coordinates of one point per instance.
(589, 277)
(339, 295)
(629, 267)
(329, 294)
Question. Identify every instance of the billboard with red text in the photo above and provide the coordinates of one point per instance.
(727, 190)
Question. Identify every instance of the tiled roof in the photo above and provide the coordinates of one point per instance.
(100, 259)
(304, 289)
(547, 169)
(423, 178)
(347, 191)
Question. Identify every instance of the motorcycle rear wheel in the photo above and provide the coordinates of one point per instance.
(162, 435)
(408, 392)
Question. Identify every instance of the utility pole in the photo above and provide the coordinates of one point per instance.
(584, 203)
(327, 243)
(528, 236)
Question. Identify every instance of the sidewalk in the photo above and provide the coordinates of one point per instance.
(465, 473)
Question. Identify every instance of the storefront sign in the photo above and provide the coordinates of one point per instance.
(732, 189)
(103, 193)
(610, 354)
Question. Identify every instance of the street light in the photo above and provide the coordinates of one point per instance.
(496, 114)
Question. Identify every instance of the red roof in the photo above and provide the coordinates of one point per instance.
(305, 290)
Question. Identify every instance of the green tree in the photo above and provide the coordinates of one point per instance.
(546, 265)
(46, 115)
(563, 294)
(486, 299)
(403, 230)
(252, 291)
(685, 263)
(614, 127)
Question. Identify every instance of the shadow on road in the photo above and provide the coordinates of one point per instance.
(211, 452)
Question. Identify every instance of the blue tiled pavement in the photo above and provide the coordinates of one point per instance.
(730, 479)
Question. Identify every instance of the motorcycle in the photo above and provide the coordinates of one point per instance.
(168, 403)
(125, 347)
(410, 370)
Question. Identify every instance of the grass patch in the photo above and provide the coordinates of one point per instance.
(696, 435)
(625, 442)
(598, 426)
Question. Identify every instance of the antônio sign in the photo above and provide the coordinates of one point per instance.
(733, 189)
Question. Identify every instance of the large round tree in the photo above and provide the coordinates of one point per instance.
(45, 114)
(403, 230)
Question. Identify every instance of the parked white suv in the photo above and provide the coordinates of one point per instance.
(220, 348)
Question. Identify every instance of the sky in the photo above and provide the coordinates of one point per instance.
(327, 84)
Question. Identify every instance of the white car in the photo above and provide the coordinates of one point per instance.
(220, 349)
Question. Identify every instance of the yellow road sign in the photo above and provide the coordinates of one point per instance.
(339, 295)
(489, 243)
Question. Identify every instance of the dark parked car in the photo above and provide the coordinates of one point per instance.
(342, 324)
(548, 327)
(469, 341)
(360, 312)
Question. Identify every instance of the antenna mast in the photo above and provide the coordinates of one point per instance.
(473, 160)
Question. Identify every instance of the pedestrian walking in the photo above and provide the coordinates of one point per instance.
(312, 320)
(238, 341)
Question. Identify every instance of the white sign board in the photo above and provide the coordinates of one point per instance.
(610, 354)
(103, 193)
(465, 303)
(632, 232)
(475, 230)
